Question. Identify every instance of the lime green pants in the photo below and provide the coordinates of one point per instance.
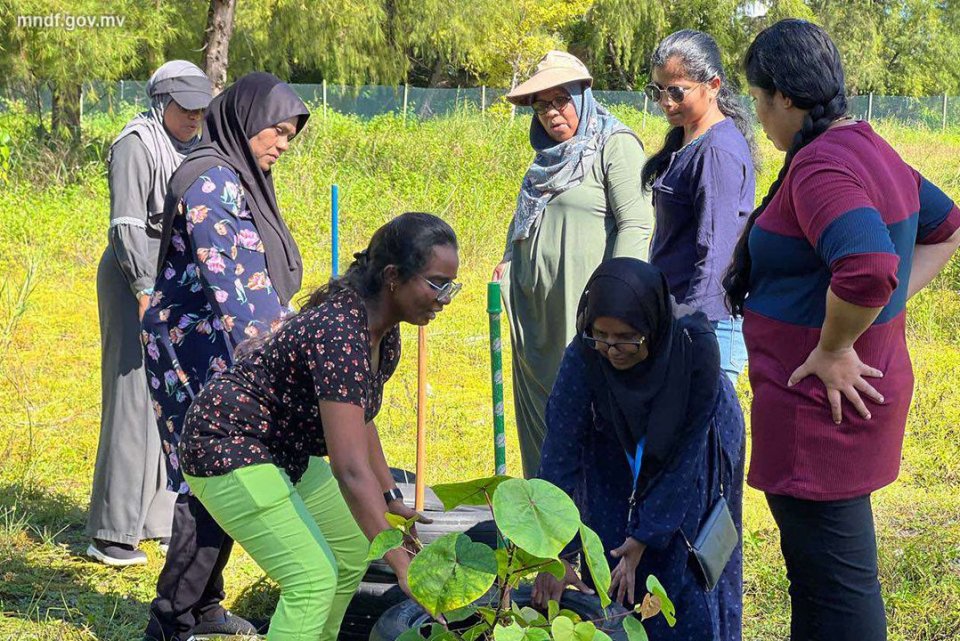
(303, 536)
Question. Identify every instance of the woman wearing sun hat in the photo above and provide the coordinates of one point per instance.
(580, 202)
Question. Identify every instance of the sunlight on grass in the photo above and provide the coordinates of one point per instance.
(466, 168)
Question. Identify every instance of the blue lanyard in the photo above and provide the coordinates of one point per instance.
(635, 460)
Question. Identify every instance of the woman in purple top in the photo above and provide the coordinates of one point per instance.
(702, 181)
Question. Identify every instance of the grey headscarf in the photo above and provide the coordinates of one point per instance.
(558, 167)
(166, 151)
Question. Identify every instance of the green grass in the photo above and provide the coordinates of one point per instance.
(53, 220)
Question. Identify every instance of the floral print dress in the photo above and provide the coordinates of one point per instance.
(212, 292)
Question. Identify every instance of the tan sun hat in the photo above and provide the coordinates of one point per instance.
(554, 69)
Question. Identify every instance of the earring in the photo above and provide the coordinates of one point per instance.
(393, 286)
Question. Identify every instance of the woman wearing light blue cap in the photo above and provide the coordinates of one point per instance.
(129, 500)
(580, 202)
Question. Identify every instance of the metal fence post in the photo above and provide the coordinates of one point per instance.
(406, 91)
(324, 98)
(494, 309)
(944, 124)
(483, 98)
(643, 119)
(870, 107)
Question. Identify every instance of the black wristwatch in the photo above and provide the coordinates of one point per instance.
(392, 495)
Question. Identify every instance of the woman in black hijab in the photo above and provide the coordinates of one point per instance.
(227, 270)
(641, 383)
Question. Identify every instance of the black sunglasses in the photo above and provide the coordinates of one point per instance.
(543, 106)
(674, 92)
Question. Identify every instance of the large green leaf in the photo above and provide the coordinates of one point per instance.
(584, 631)
(469, 492)
(473, 633)
(565, 629)
(600, 635)
(412, 634)
(383, 543)
(514, 632)
(532, 617)
(562, 629)
(553, 609)
(596, 562)
(460, 614)
(525, 564)
(451, 572)
(535, 515)
(634, 629)
(667, 609)
(397, 521)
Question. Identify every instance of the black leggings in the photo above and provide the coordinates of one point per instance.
(190, 586)
(830, 550)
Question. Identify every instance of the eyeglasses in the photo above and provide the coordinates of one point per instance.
(543, 106)
(624, 347)
(445, 292)
(676, 93)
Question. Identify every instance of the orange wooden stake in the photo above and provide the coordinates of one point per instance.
(421, 417)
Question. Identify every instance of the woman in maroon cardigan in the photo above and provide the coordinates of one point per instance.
(846, 234)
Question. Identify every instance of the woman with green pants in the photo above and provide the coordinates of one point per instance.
(253, 436)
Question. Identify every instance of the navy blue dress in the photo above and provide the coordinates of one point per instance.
(581, 455)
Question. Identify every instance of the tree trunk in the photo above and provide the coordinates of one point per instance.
(65, 110)
(626, 84)
(217, 44)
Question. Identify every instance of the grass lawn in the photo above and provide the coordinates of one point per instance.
(53, 222)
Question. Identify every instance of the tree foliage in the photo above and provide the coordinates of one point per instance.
(59, 54)
(899, 47)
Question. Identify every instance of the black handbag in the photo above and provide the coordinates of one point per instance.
(714, 544)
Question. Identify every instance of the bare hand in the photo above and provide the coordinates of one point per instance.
(547, 588)
(498, 271)
(623, 577)
(842, 372)
(401, 509)
(143, 304)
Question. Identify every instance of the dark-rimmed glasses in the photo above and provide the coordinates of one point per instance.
(624, 347)
(676, 93)
(445, 292)
(543, 106)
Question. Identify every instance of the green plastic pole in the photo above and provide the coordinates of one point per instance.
(496, 377)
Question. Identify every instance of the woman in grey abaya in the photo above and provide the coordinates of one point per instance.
(129, 500)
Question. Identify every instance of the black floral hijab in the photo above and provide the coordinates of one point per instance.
(671, 392)
(253, 103)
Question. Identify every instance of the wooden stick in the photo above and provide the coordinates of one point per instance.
(421, 416)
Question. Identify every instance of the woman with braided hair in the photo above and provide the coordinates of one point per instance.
(846, 235)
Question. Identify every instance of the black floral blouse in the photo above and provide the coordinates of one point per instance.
(265, 407)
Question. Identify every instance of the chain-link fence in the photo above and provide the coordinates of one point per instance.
(368, 101)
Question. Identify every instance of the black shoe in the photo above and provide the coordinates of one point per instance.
(115, 554)
(223, 622)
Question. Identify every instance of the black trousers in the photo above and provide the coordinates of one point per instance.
(190, 586)
(830, 550)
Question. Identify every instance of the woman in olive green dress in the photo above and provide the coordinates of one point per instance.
(580, 203)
